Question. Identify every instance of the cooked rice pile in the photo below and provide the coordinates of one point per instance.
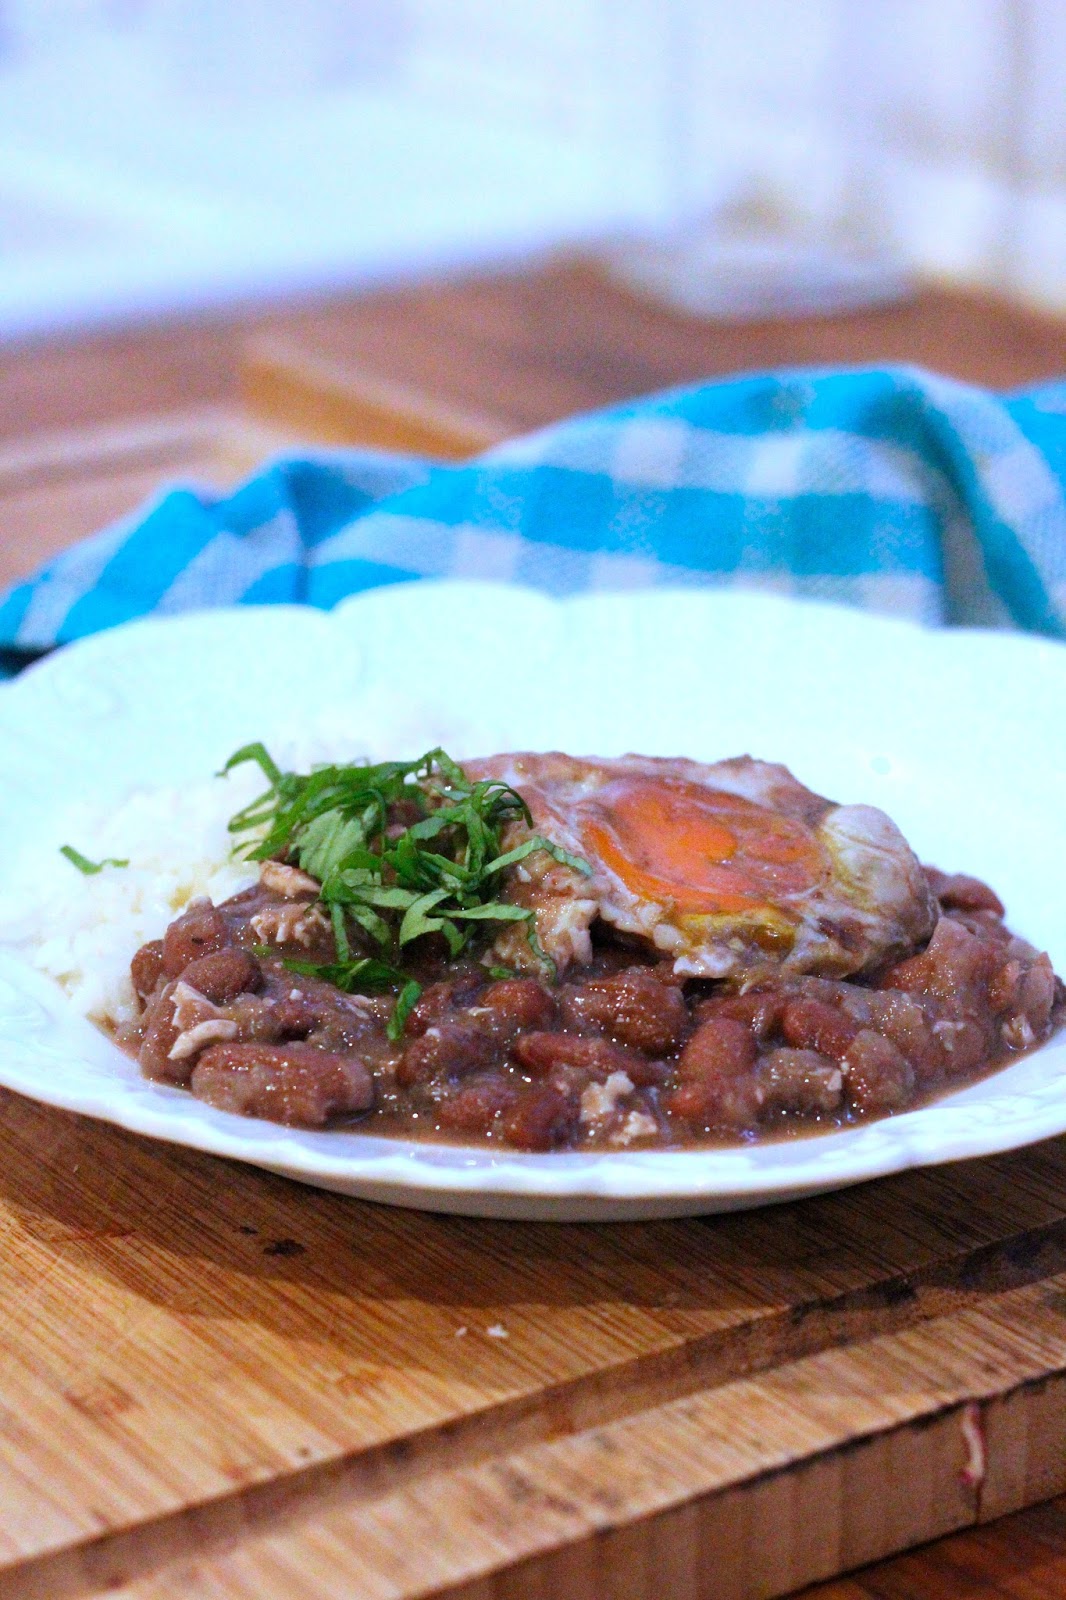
(82, 930)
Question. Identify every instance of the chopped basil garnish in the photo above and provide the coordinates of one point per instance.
(405, 1004)
(434, 871)
(86, 866)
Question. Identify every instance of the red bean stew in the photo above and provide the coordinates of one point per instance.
(242, 1006)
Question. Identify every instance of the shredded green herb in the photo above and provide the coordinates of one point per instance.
(436, 871)
(86, 866)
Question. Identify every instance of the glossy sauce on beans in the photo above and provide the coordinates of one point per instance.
(620, 1054)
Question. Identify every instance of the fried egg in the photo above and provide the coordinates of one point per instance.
(734, 870)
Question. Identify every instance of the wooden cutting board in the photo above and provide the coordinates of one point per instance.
(217, 1383)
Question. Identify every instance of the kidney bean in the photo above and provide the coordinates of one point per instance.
(294, 1084)
(200, 931)
(799, 1080)
(964, 1042)
(903, 1022)
(717, 1088)
(540, 1054)
(633, 1007)
(1025, 987)
(439, 1000)
(759, 1010)
(476, 1106)
(1029, 989)
(956, 966)
(256, 1019)
(355, 1022)
(517, 1005)
(1004, 990)
(448, 1050)
(295, 1018)
(224, 974)
(813, 1025)
(182, 1022)
(957, 891)
(1038, 994)
(160, 1034)
(985, 925)
(877, 1077)
(721, 1046)
(431, 1007)
(540, 1119)
(146, 968)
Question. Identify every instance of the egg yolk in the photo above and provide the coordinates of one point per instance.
(705, 851)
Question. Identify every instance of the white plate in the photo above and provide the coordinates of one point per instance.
(958, 735)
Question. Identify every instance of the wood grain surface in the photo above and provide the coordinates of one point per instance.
(515, 353)
(216, 1383)
(1021, 1557)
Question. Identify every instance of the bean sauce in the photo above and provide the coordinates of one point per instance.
(619, 1055)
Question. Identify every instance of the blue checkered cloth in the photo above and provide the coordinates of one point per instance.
(892, 489)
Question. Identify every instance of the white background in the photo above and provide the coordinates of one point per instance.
(160, 153)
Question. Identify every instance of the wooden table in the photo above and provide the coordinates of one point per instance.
(215, 1383)
(506, 355)
(527, 349)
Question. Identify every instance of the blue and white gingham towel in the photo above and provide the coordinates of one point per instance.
(892, 489)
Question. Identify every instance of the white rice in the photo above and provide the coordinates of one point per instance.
(82, 929)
